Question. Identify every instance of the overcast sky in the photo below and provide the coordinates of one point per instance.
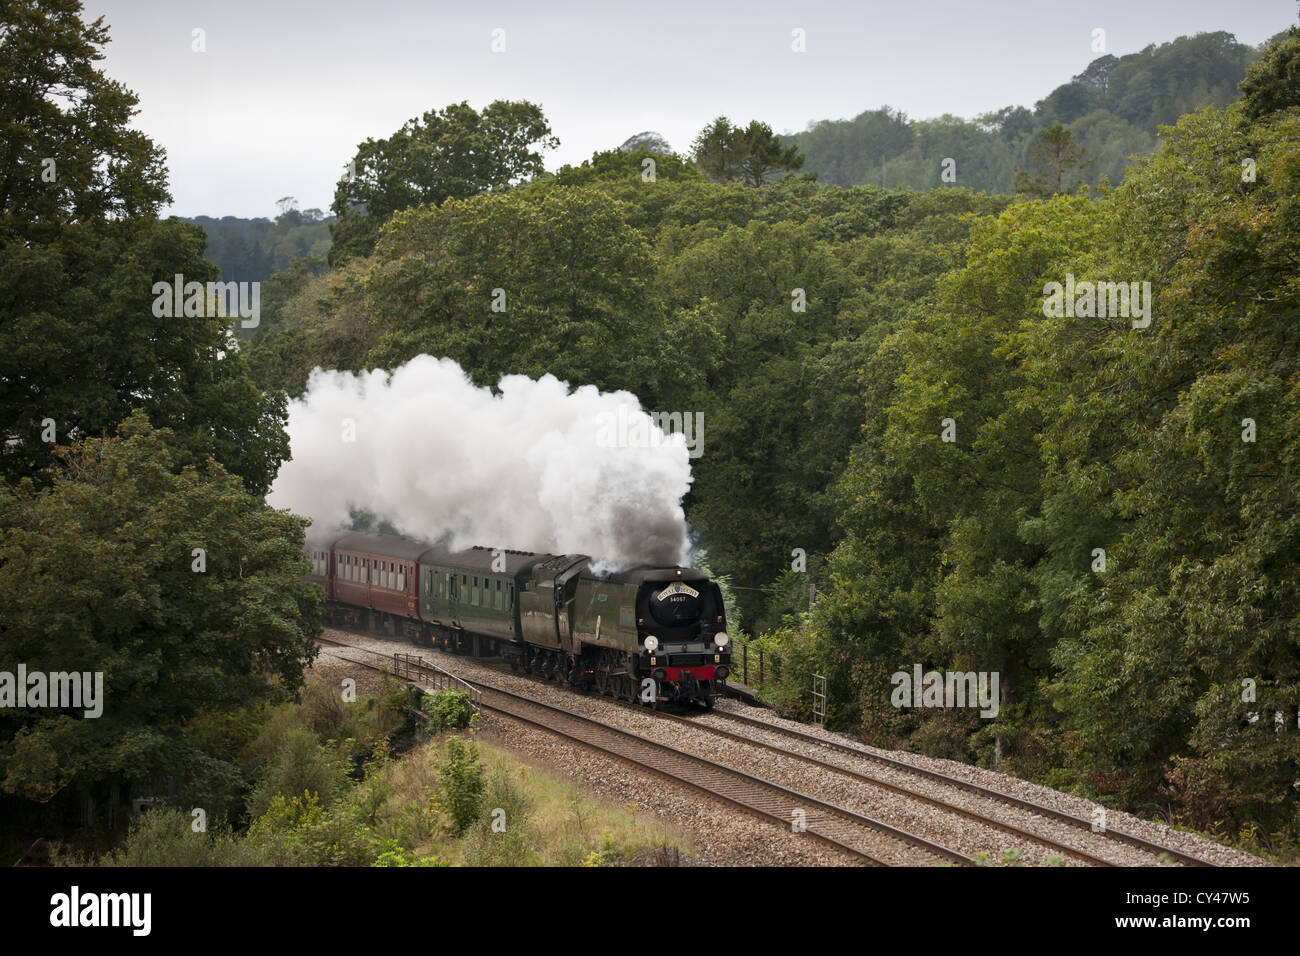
(285, 91)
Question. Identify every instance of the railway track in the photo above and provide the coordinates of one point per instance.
(856, 834)
(1157, 850)
(878, 784)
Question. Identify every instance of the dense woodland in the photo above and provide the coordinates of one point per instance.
(826, 325)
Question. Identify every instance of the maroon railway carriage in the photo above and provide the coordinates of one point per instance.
(366, 588)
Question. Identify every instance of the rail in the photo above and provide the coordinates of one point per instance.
(412, 667)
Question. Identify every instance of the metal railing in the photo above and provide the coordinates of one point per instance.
(763, 665)
(415, 668)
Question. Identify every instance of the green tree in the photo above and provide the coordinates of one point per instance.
(455, 153)
(99, 573)
(1053, 159)
(1273, 83)
(1186, 431)
(753, 154)
(80, 251)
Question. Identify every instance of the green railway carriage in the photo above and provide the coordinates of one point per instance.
(469, 599)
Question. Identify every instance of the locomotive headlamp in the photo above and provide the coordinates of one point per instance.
(652, 643)
(721, 638)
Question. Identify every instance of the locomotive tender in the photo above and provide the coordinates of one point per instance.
(647, 634)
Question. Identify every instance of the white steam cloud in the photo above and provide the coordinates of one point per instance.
(532, 468)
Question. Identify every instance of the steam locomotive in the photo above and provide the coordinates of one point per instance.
(648, 634)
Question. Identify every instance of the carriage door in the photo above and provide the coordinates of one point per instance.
(566, 591)
(453, 597)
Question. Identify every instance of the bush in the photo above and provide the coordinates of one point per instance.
(165, 837)
(460, 777)
(511, 845)
(299, 831)
(300, 764)
(448, 710)
(392, 854)
(343, 837)
(280, 831)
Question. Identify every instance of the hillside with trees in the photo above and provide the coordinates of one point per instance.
(1112, 110)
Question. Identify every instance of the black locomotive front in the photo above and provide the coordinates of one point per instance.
(682, 635)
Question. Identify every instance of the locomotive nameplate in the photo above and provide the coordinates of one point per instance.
(674, 589)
